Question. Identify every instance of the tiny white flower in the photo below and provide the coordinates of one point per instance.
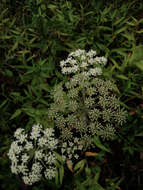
(76, 140)
(76, 156)
(18, 132)
(28, 146)
(63, 150)
(17, 149)
(50, 173)
(80, 147)
(36, 129)
(42, 141)
(84, 64)
(70, 156)
(75, 148)
(14, 168)
(64, 158)
(83, 57)
(68, 150)
(12, 156)
(36, 168)
(27, 180)
(62, 63)
(51, 158)
(96, 71)
(39, 154)
(22, 138)
(35, 177)
(25, 158)
(48, 132)
(91, 53)
(52, 143)
(71, 144)
(23, 169)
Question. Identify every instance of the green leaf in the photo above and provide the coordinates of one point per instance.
(98, 187)
(57, 177)
(5, 37)
(100, 145)
(16, 114)
(120, 30)
(52, 7)
(79, 166)
(139, 134)
(122, 77)
(14, 46)
(61, 174)
(140, 65)
(98, 170)
(137, 55)
(3, 103)
(8, 73)
(118, 21)
(59, 157)
(57, 164)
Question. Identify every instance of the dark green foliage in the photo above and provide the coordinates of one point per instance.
(35, 35)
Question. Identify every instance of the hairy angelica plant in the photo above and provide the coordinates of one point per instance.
(86, 104)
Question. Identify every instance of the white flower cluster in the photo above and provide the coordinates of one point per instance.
(81, 61)
(71, 150)
(31, 154)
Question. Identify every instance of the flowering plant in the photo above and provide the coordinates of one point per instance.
(32, 154)
(85, 105)
(81, 61)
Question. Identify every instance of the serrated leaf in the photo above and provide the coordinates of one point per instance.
(16, 114)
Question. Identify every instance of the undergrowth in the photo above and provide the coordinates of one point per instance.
(35, 36)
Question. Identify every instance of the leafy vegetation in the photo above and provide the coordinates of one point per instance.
(35, 35)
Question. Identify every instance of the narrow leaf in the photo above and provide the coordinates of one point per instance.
(100, 145)
(61, 174)
(79, 166)
(17, 113)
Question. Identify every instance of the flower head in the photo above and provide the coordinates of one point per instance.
(81, 61)
(31, 154)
